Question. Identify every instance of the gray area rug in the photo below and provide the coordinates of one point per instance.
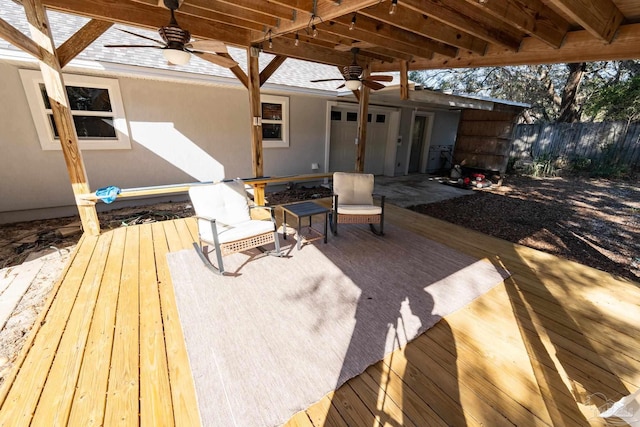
(280, 333)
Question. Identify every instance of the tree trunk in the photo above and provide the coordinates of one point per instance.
(569, 110)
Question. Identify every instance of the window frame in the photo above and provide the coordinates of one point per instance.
(31, 81)
(284, 102)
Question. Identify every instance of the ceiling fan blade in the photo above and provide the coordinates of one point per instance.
(340, 87)
(216, 59)
(161, 43)
(132, 45)
(381, 78)
(373, 85)
(326, 80)
(214, 46)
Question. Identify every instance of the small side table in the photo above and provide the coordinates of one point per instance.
(301, 210)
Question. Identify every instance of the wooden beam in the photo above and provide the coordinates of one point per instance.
(19, 40)
(237, 71)
(81, 40)
(468, 20)
(152, 17)
(531, 16)
(271, 68)
(309, 52)
(283, 13)
(394, 34)
(601, 18)
(404, 80)
(345, 44)
(256, 113)
(579, 46)
(223, 12)
(363, 112)
(326, 11)
(298, 5)
(426, 26)
(378, 40)
(54, 83)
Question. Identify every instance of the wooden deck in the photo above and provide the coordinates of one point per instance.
(547, 347)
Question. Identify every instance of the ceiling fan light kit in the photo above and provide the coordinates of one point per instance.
(352, 84)
(176, 56)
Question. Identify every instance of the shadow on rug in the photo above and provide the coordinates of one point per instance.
(281, 333)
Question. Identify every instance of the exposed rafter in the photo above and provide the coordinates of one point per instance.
(602, 18)
(425, 26)
(530, 16)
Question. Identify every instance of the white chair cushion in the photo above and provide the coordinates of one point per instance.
(227, 202)
(353, 188)
(235, 232)
(358, 209)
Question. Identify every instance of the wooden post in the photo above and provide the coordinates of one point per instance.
(404, 80)
(54, 83)
(256, 121)
(362, 122)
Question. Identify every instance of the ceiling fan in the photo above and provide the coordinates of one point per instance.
(352, 76)
(177, 46)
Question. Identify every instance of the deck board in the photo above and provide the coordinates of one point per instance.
(183, 395)
(155, 390)
(89, 402)
(545, 347)
(124, 379)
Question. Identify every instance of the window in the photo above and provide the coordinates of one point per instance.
(352, 117)
(96, 107)
(275, 121)
(336, 115)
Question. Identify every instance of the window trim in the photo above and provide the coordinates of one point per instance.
(31, 81)
(284, 101)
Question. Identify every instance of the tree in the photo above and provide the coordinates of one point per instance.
(556, 92)
(616, 95)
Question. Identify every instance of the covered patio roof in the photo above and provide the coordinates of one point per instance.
(419, 34)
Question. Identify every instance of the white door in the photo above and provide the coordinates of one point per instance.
(344, 131)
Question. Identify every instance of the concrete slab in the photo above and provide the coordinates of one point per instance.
(416, 189)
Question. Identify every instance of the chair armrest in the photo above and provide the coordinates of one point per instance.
(381, 197)
(261, 207)
(270, 209)
(205, 218)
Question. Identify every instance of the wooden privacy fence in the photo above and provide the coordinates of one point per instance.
(613, 142)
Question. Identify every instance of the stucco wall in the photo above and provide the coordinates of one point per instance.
(445, 126)
(179, 133)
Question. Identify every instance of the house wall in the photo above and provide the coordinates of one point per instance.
(179, 133)
(444, 130)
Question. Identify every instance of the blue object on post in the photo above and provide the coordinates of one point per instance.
(108, 194)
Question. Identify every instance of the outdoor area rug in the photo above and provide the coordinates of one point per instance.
(278, 334)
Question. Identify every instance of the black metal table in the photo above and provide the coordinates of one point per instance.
(301, 210)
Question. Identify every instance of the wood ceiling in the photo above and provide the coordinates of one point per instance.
(423, 34)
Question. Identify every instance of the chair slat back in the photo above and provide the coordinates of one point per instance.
(226, 202)
(353, 188)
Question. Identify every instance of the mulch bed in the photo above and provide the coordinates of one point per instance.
(595, 222)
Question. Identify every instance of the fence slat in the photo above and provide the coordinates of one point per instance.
(614, 142)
